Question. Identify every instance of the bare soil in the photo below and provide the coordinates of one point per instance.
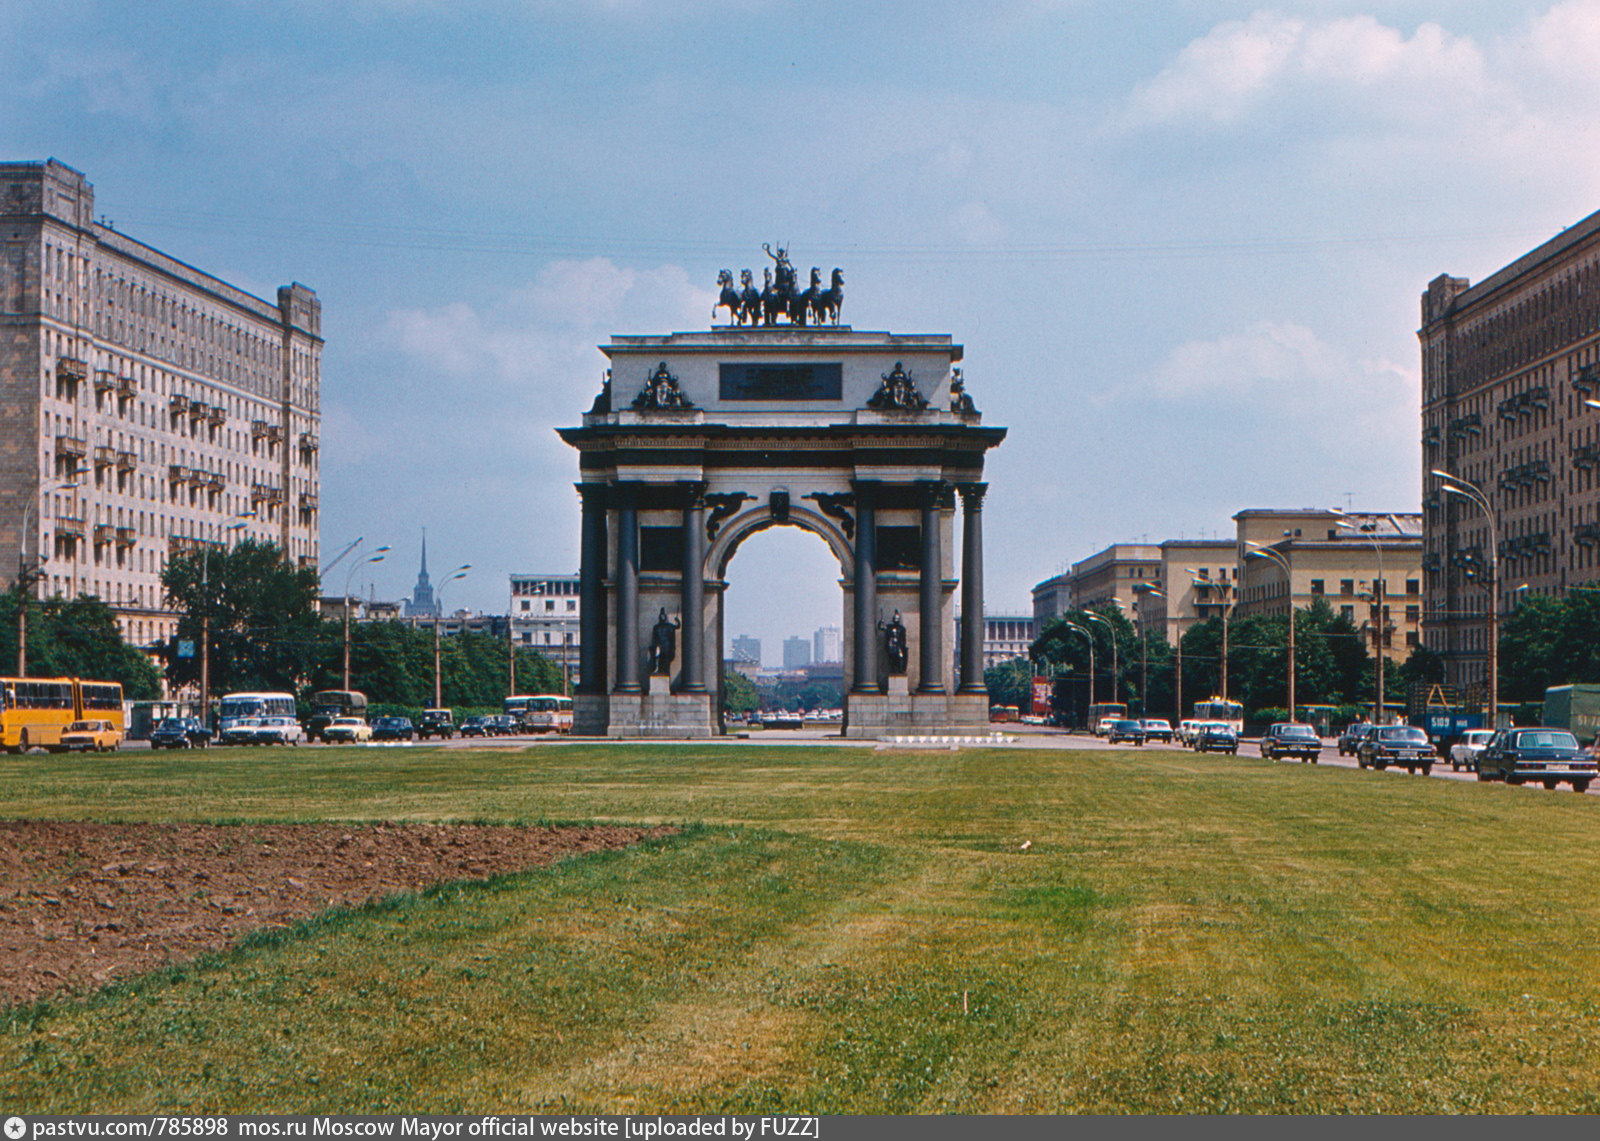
(84, 904)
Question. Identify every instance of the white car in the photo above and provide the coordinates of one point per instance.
(1188, 730)
(351, 730)
(1102, 727)
(278, 731)
(1464, 753)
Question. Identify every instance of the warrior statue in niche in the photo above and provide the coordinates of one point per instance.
(663, 644)
(894, 643)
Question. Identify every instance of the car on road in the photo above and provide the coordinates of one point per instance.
(242, 731)
(1188, 730)
(1350, 739)
(1125, 729)
(347, 731)
(502, 725)
(1103, 726)
(393, 729)
(1156, 729)
(278, 731)
(475, 727)
(1536, 756)
(1216, 737)
(1402, 745)
(1465, 752)
(90, 737)
(439, 723)
(180, 733)
(1291, 739)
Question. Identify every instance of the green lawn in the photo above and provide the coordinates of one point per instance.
(844, 930)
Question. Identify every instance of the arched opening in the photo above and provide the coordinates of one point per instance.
(782, 625)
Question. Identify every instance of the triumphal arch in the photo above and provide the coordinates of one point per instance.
(781, 417)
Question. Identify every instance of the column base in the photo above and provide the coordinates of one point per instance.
(590, 714)
(672, 715)
(869, 716)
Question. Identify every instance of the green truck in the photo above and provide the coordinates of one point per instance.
(1575, 708)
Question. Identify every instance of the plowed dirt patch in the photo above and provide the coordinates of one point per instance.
(84, 904)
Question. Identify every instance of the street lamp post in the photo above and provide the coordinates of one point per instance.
(205, 616)
(1380, 588)
(438, 609)
(1455, 485)
(1144, 647)
(1223, 607)
(26, 575)
(1116, 681)
(1277, 558)
(375, 557)
(1090, 639)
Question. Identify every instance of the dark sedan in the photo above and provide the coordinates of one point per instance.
(1217, 739)
(1543, 756)
(393, 729)
(1125, 730)
(180, 733)
(475, 727)
(1402, 745)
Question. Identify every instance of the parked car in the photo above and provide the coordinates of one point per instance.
(1156, 729)
(1350, 739)
(242, 731)
(1125, 729)
(1291, 739)
(1465, 752)
(475, 727)
(180, 733)
(1199, 728)
(393, 729)
(90, 736)
(1543, 755)
(1188, 730)
(502, 725)
(278, 731)
(1216, 737)
(1406, 745)
(347, 731)
(436, 723)
(1103, 726)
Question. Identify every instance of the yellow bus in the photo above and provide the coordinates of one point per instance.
(35, 710)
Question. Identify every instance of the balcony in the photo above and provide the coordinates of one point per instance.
(104, 455)
(216, 481)
(216, 416)
(265, 493)
(179, 405)
(105, 381)
(126, 388)
(69, 526)
(103, 534)
(72, 446)
(126, 537)
(177, 473)
(196, 477)
(259, 429)
(309, 442)
(127, 461)
(308, 501)
(71, 370)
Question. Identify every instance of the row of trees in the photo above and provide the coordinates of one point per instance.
(76, 638)
(1333, 664)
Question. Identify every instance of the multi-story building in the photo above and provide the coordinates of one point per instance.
(1117, 574)
(545, 613)
(796, 653)
(1355, 561)
(146, 407)
(1197, 579)
(827, 644)
(747, 650)
(1508, 368)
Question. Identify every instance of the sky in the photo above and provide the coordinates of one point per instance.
(1182, 243)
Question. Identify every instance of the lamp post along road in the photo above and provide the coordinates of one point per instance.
(375, 557)
(1090, 639)
(438, 609)
(1145, 595)
(1277, 558)
(1111, 630)
(1455, 485)
(1223, 607)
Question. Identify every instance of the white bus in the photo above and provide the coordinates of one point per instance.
(1230, 713)
(236, 706)
(541, 712)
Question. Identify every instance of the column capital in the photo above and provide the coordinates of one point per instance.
(694, 494)
(972, 495)
(932, 493)
(592, 493)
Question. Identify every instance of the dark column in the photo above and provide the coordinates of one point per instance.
(693, 678)
(627, 580)
(931, 628)
(866, 616)
(972, 586)
(592, 591)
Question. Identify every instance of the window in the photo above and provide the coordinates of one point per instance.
(1348, 613)
(1317, 586)
(1413, 586)
(1347, 586)
(1413, 614)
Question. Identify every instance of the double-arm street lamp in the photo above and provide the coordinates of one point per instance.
(1088, 637)
(1257, 551)
(1223, 608)
(1466, 489)
(26, 575)
(1116, 679)
(1144, 594)
(438, 609)
(375, 557)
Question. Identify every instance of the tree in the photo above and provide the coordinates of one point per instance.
(78, 638)
(739, 693)
(1011, 683)
(264, 627)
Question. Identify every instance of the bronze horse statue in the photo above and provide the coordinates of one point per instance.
(730, 299)
(781, 295)
(749, 300)
(828, 301)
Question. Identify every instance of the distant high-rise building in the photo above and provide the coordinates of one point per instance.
(747, 650)
(796, 653)
(545, 611)
(827, 645)
(422, 604)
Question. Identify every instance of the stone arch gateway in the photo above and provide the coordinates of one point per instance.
(699, 440)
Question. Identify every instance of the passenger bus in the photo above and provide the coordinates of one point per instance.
(1229, 712)
(541, 712)
(1099, 712)
(237, 706)
(35, 710)
(330, 703)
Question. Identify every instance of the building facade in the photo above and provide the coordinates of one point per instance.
(546, 610)
(1507, 367)
(796, 653)
(827, 644)
(146, 407)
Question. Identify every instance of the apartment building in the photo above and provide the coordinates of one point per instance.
(146, 407)
(544, 611)
(1508, 368)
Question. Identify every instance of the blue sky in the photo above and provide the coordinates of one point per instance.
(1182, 243)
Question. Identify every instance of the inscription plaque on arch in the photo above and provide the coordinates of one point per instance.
(780, 382)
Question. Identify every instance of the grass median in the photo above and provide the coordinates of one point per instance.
(848, 930)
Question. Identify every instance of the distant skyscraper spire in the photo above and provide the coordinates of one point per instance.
(422, 602)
